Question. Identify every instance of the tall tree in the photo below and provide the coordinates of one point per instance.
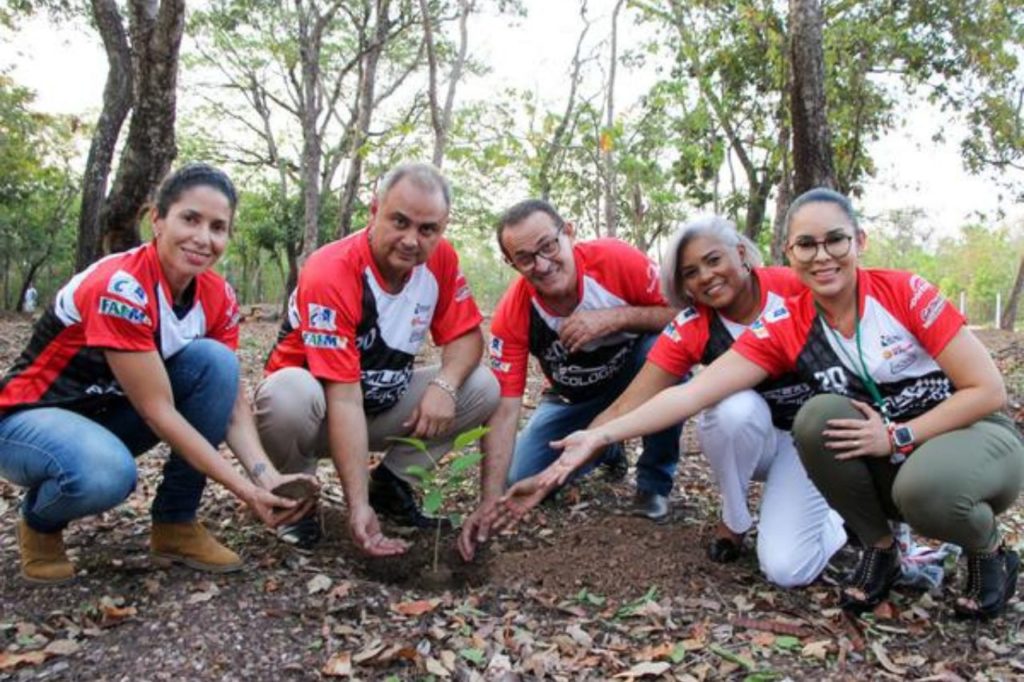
(812, 141)
(142, 79)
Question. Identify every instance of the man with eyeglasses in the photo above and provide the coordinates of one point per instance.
(589, 312)
(340, 381)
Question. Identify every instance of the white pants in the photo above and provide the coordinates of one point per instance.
(798, 533)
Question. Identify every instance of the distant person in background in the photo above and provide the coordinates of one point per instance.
(908, 423)
(589, 312)
(340, 382)
(714, 275)
(31, 299)
(136, 349)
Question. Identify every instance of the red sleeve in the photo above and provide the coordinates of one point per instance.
(924, 311)
(775, 340)
(509, 351)
(328, 302)
(626, 271)
(224, 323)
(681, 344)
(456, 313)
(118, 321)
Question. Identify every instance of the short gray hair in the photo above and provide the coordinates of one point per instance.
(426, 176)
(822, 195)
(722, 230)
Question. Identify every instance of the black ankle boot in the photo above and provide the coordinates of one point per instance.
(875, 574)
(392, 497)
(991, 583)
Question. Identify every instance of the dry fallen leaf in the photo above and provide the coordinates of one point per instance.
(12, 661)
(415, 608)
(113, 613)
(339, 665)
(318, 583)
(62, 647)
(883, 657)
(434, 667)
(647, 669)
(818, 649)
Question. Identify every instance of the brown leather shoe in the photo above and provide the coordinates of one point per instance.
(43, 560)
(191, 544)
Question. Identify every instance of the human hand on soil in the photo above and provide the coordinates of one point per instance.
(365, 530)
(476, 529)
(301, 488)
(585, 326)
(269, 508)
(868, 437)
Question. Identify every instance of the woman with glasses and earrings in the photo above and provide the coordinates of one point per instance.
(908, 423)
(714, 275)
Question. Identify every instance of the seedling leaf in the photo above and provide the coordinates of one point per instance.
(467, 437)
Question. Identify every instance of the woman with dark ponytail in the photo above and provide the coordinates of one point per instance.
(137, 349)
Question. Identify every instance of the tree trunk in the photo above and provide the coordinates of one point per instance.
(156, 29)
(117, 102)
(364, 114)
(607, 146)
(441, 117)
(812, 142)
(309, 57)
(1009, 318)
(782, 201)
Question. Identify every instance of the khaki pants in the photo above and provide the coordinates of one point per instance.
(291, 416)
(951, 488)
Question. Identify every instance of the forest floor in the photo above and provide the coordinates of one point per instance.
(583, 592)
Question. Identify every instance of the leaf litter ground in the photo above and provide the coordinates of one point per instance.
(584, 592)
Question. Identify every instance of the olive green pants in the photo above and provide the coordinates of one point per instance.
(951, 488)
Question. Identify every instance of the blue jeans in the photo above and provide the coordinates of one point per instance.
(75, 465)
(554, 419)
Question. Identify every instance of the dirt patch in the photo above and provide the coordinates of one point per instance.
(582, 591)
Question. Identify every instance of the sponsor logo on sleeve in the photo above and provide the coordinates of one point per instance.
(115, 308)
(128, 288)
(758, 329)
(932, 311)
(321, 317)
(672, 333)
(653, 277)
(685, 315)
(497, 347)
(324, 341)
(919, 287)
(777, 314)
(498, 366)
(234, 313)
(462, 291)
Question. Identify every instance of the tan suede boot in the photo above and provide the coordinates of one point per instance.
(43, 560)
(191, 544)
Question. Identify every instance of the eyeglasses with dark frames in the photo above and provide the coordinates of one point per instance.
(524, 261)
(836, 244)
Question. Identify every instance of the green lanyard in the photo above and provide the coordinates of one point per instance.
(865, 378)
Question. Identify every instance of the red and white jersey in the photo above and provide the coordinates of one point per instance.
(698, 335)
(344, 326)
(610, 274)
(122, 302)
(905, 323)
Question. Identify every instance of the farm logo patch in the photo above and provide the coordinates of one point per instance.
(114, 308)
